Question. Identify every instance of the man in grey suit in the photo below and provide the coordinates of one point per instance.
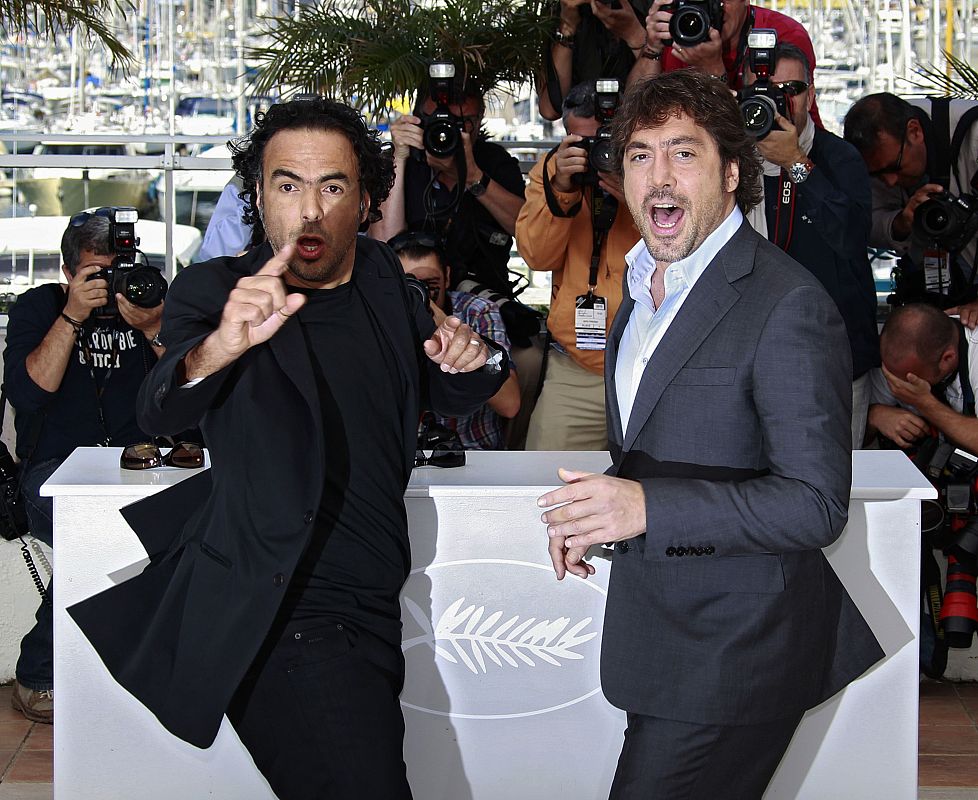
(729, 398)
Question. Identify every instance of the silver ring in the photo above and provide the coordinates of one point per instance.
(476, 342)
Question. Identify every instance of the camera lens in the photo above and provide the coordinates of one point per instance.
(759, 114)
(601, 157)
(934, 218)
(145, 287)
(441, 139)
(689, 26)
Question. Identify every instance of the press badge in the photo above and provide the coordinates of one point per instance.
(590, 321)
(937, 271)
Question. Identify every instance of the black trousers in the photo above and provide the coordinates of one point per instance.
(664, 759)
(319, 713)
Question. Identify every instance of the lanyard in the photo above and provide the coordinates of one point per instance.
(785, 205)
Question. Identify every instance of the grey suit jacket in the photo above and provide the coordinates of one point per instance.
(725, 611)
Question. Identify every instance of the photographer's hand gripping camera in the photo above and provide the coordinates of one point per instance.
(141, 284)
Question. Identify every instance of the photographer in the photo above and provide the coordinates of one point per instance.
(72, 374)
(721, 50)
(817, 209)
(592, 39)
(469, 197)
(572, 226)
(910, 159)
(421, 256)
(929, 378)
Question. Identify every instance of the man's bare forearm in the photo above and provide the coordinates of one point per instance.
(47, 363)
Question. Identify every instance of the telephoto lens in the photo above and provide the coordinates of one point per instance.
(959, 613)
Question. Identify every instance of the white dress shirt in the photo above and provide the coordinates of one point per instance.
(646, 324)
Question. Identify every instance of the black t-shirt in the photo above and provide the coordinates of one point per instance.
(476, 246)
(116, 354)
(358, 557)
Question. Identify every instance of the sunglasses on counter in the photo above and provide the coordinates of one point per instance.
(146, 455)
(447, 454)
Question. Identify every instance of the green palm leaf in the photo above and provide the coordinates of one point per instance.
(381, 52)
(57, 16)
(961, 83)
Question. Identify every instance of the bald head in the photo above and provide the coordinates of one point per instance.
(921, 339)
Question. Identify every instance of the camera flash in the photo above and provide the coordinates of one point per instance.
(442, 69)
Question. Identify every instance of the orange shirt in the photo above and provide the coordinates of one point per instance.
(562, 245)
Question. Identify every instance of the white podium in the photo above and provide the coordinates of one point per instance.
(502, 696)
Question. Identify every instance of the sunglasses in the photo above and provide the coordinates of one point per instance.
(415, 239)
(792, 88)
(893, 168)
(147, 455)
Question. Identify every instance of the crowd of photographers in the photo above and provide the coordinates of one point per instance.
(904, 177)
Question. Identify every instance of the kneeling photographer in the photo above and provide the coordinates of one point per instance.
(75, 357)
(924, 194)
(816, 198)
(575, 225)
(924, 403)
(452, 182)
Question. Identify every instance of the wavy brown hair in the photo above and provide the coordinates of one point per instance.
(707, 102)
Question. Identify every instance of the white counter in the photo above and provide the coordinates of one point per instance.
(488, 715)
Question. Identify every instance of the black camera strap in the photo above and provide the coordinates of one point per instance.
(784, 217)
(604, 209)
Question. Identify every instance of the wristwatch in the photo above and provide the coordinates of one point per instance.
(563, 39)
(478, 188)
(800, 170)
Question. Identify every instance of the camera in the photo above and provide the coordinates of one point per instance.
(762, 101)
(442, 129)
(142, 285)
(952, 525)
(13, 515)
(600, 157)
(949, 221)
(419, 288)
(691, 20)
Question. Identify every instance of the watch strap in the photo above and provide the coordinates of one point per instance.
(478, 188)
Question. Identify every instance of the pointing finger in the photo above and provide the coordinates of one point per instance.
(278, 263)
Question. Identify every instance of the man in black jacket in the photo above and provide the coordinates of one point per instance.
(304, 362)
(72, 373)
(817, 208)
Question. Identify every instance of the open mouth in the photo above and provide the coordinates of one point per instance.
(665, 218)
(309, 247)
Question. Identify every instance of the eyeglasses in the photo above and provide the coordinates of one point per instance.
(415, 239)
(893, 168)
(79, 219)
(147, 455)
(793, 88)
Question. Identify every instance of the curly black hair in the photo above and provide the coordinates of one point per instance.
(374, 157)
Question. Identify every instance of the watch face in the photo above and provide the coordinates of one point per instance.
(798, 172)
(477, 189)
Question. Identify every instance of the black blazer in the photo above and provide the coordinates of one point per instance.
(223, 544)
(726, 611)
